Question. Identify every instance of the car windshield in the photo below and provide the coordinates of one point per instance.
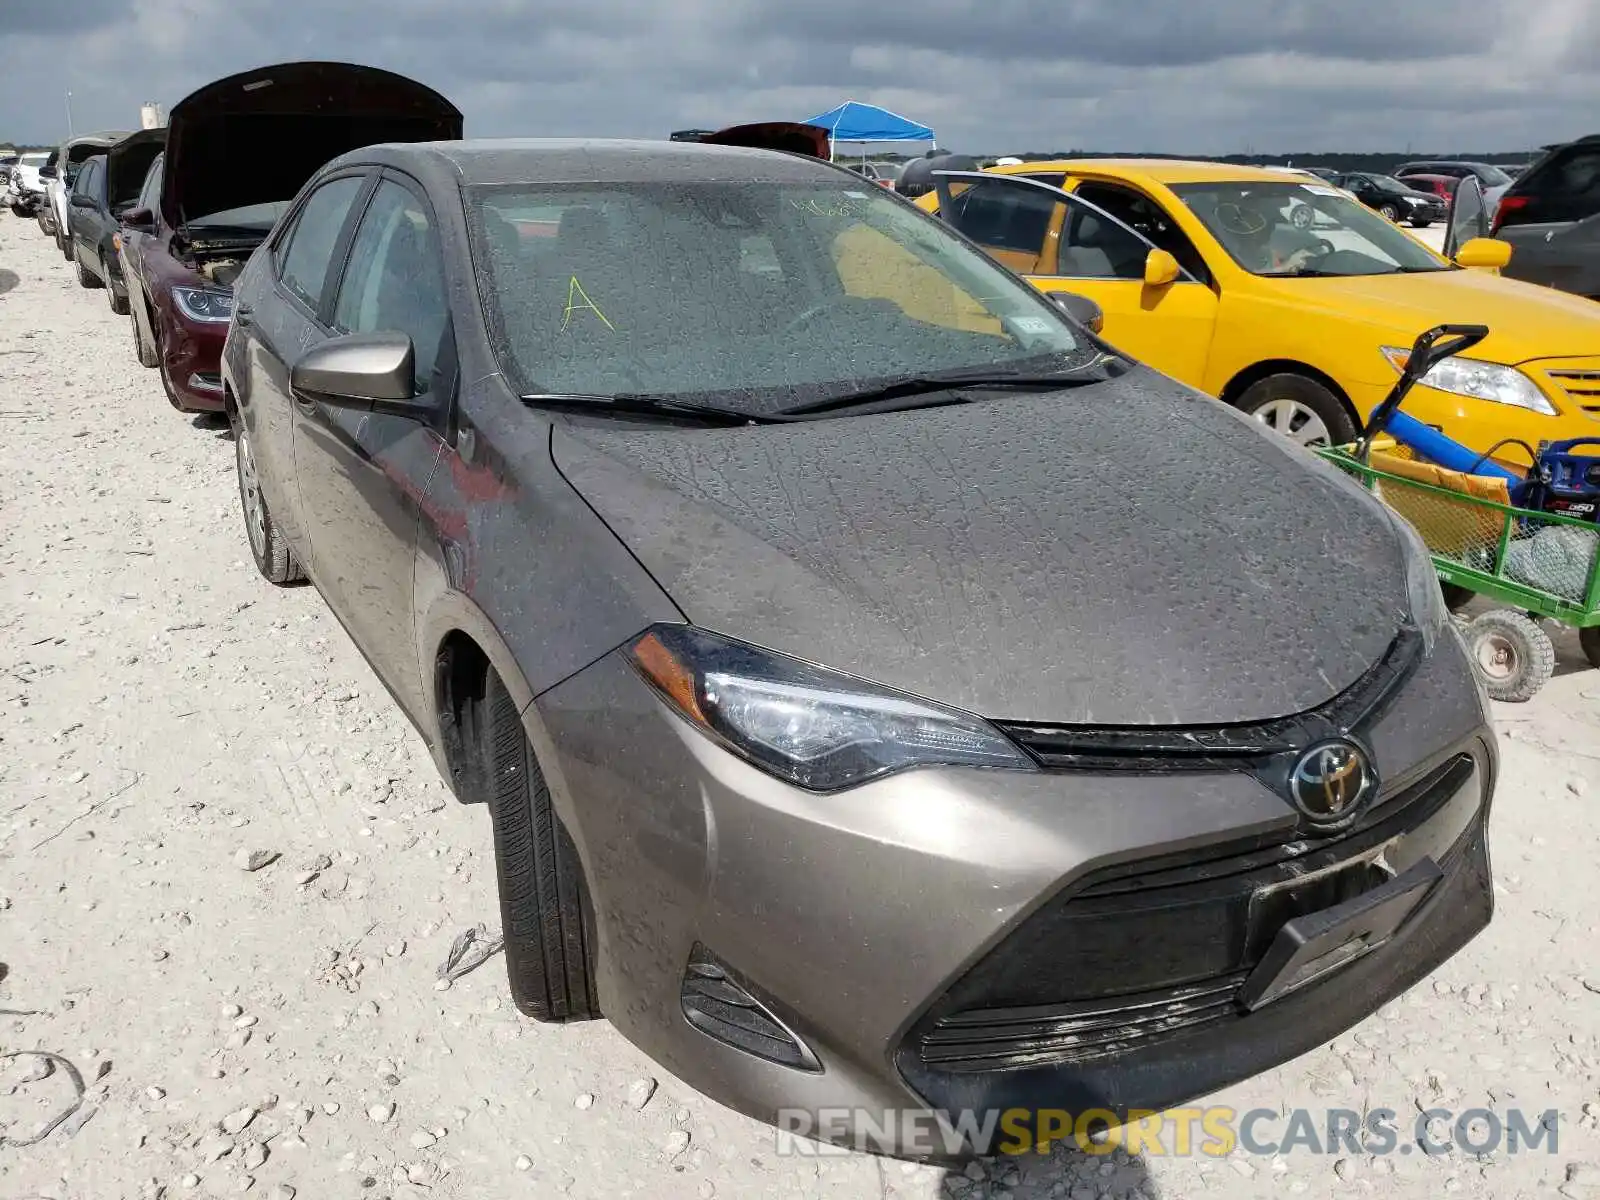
(1303, 229)
(35, 160)
(1388, 183)
(251, 219)
(752, 296)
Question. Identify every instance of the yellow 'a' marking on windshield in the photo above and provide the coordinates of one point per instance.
(574, 291)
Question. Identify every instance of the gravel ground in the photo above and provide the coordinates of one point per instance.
(170, 720)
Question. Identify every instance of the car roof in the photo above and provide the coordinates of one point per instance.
(1153, 170)
(489, 161)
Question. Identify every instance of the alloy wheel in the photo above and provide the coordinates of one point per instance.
(255, 512)
(1294, 421)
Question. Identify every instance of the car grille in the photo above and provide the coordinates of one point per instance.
(1581, 385)
(1140, 952)
(1244, 746)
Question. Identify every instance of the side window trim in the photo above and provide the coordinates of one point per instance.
(341, 245)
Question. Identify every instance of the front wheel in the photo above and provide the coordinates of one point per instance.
(1421, 223)
(86, 277)
(267, 545)
(1511, 654)
(143, 349)
(1389, 212)
(1300, 409)
(545, 913)
(115, 296)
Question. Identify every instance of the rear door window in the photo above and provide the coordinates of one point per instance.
(1566, 188)
(307, 253)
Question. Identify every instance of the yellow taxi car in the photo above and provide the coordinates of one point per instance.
(1286, 298)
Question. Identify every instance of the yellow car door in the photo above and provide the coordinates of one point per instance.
(1155, 310)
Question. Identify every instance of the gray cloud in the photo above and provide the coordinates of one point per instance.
(1268, 75)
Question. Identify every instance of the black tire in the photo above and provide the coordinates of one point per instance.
(545, 914)
(1589, 639)
(1456, 597)
(1389, 212)
(143, 350)
(1421, 223)
(1511, 654)
(1262, 398)
(115, 296)
(267, 545)
(86, 277)
(64, 244)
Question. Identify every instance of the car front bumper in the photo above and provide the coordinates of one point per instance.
(191, 360)
(943, 938)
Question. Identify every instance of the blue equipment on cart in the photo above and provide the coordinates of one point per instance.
(1558, 480)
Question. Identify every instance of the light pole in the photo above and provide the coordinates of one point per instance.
(69, 116)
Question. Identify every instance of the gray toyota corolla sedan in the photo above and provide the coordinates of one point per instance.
(887, 698)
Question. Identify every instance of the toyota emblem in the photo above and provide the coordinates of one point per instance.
(1332, 782)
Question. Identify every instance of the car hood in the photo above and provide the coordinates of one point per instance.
(1525, 321)
(256, 137)
(1131, 553)
(127, 163)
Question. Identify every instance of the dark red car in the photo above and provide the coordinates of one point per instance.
(237, 152)
(1442, 186)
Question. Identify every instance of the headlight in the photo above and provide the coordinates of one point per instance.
(806, 725)
(1479, 380)
(1424, 597)
(203, 304)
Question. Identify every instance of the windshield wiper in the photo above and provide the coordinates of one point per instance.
(647, 405)
(912, 386)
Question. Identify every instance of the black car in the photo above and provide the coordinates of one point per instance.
(1551, 216)
(106, 187)
(1391, 198)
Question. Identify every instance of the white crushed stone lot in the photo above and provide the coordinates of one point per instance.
(278, 1032)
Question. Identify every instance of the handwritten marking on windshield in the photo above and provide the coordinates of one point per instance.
(574, 292)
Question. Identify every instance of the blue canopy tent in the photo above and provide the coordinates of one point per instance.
(853, 121)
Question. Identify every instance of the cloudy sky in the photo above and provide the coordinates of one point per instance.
(1192, 76)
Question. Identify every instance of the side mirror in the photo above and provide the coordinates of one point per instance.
(1484, 254)
(1081, 309)
(83, 201)
(1160, 269)
(374, 371)
(48, 171)
(139, 220)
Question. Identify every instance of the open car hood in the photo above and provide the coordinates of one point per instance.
(128, 162)
(792, 136)
(256, 137)
(86, 146)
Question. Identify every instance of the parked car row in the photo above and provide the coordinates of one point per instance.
(886, 694)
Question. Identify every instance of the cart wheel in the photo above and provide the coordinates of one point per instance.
(1456, 597)
(1512, 655)
(1589, 639)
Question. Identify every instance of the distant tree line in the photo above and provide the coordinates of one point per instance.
(1375, 162)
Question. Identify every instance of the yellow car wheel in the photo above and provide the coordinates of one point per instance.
(1300, 409)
